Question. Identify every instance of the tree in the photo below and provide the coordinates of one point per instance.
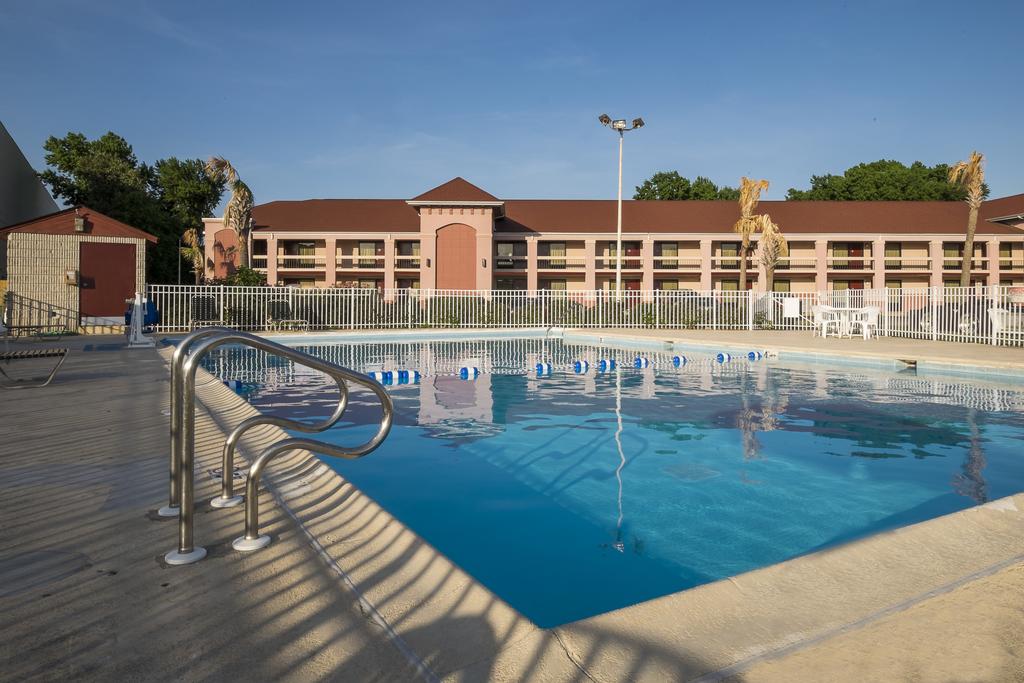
(238, 212)
(970, 176)
(669, 185)
(194, 253)
(104, 174)
(771, 247)
(750, 195)
(884, 180)
(186, 190)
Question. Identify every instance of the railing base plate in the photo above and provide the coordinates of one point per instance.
(231, 502)
(168, 511)
(247, 545)
(176, 558)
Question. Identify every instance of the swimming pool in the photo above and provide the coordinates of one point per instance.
(573, 494)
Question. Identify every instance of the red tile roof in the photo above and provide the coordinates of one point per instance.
(63, 223)
(587, 216)
(342, 215)
(456, 190)
(794, 217)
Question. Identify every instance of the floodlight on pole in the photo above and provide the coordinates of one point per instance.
(621, 127)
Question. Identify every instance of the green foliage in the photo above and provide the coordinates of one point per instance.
(186, 191)
(164, 199)
(242, 277)
(762, 322)
(670, 185)
(884, 180)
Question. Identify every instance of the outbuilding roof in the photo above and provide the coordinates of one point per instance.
(63, 223)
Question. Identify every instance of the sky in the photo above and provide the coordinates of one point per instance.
(345, 99)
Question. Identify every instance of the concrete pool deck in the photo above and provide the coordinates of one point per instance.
(83, 592)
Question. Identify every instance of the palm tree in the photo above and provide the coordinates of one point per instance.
(193, 252)
(970, 175)
(238, 212)
(770, 248)
(750, 194)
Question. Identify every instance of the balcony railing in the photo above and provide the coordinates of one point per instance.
(300, 262)
(510, 262)
(729, 263)
(676, 263)
(560, 263)
(907, 264)
(793, 263)
(956, 263)
(407, 262)
(850, 263)
(259, 262)
(360, 262)
(628, 263)
(1011, 263)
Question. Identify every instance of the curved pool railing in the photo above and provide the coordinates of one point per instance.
(184, 364)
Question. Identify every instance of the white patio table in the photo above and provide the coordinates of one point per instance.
(845, 314)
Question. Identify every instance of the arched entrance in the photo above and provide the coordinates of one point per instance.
(456, 257)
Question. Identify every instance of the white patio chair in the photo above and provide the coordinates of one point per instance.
(1006, 324)
(866, 321)
(825, 317)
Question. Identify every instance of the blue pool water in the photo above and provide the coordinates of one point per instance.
(570, 495)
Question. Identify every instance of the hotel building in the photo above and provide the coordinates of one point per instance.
(458, 236)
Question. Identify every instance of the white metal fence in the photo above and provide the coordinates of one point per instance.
(993, 315)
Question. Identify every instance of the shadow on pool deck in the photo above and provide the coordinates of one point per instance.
(86, 595)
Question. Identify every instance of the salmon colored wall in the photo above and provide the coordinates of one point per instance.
(456, 257)
(224, 253)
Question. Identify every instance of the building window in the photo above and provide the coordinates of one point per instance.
(730, 285)
(307, 249)
(667, 285)
(365, 283)
(781, 286)
(510, 283)
(729, 252)
(368, 249)
(556, 254)
(953, 254)
(510, 255)
(893, 255)
(407, 254)
(1005, 256)
(894, 284)
(553, 285)
(408, 283)
(668, 251)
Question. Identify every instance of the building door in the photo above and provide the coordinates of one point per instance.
(855, 250)
(456, 257)
(106, 277)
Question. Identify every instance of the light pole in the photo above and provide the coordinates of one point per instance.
(620, 126)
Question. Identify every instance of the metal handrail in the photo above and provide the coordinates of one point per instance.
(227, 497)
(177, 361)
(183, 408)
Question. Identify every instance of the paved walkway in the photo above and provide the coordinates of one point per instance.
(802, 341)
(84, 593)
